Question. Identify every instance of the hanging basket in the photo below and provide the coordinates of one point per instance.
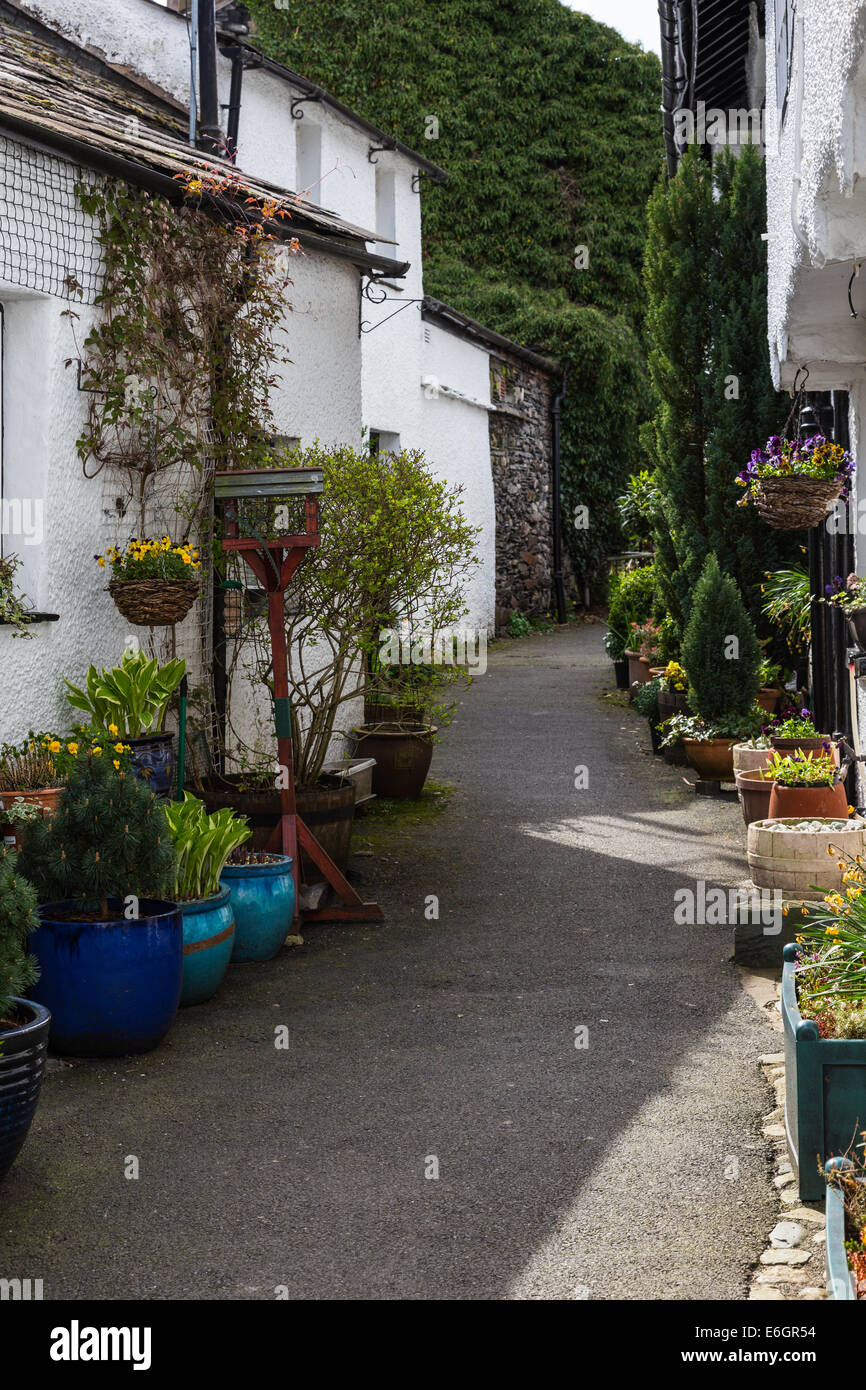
(153, 602)
(795, 504)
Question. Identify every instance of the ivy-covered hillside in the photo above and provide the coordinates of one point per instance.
(548, 125)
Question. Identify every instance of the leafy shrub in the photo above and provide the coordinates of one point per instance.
(721, 652)
(18, 970)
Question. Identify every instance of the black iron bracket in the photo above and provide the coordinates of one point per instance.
(379, 149)
(416, 180)
(373, 292)
(297, 103)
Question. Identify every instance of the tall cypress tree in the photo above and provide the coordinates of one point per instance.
(678, 269)
(746, 408)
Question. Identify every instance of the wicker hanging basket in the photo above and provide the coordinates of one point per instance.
(795, 504)
(153, 602)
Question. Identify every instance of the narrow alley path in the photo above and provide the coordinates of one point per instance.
(563, 1172)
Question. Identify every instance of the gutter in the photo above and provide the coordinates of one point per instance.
(464, 327)
(209, 132)
(318, 94)
(558, 585)
(678, 21)
(115, 167)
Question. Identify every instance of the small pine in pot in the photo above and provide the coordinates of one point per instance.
(18, 969)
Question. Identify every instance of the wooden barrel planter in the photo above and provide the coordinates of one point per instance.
(750, 760)
(329, 812)
(403, 758)
(794, 860)
(638, 669)
(755, 792)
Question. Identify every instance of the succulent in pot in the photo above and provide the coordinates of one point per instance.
(202, 844)
(110, 940)
(129, 703)
(807, 784)
(23, 1024)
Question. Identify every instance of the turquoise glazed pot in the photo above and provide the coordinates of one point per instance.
(208, 938)
(112, 987)
(263, 899)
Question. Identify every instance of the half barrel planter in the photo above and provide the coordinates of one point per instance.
(208, 939)
(795, 860)
(113, 987)
(22, 1064)
(840, 1276)
(825, 1090)
(263, 902)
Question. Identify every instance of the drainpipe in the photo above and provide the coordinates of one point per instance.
(193, 74)
(559, 589)
(210, 135)
(236, 53)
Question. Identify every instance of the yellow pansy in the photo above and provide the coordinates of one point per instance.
(113, 729)
(72, 748)
(54, 746)
(116, 763)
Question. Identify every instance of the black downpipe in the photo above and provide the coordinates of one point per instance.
(559, 589)
(236, 53)
(209, 132)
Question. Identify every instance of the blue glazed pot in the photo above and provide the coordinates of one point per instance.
(825, 1089)
(208, 937)
(112, 987)
(22, 1062)
(263, 899)
(152, 759)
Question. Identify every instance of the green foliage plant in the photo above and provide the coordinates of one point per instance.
(202, 845)
(720, 650)
(131, 699)
(802, 768)
(108, 838)
(18, 969)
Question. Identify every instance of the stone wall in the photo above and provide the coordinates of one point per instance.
(521, 454)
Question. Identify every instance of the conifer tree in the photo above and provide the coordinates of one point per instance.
(18, 970)
(678, 268)
(108, 838)
(721, 652)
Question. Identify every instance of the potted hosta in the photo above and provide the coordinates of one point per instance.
(722, 656)
(202, 844)
(153, 582)
(263, 902)
(850, 599)
(109, 941)
(794, 482)
(24, 1024)
(807, 784)
(128, 704)
(824, 1018)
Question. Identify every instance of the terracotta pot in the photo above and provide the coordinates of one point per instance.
(657, 671)
(788, 745)
(712, 758)
(46, 797)
(768, 697)
(754, 795)
(809, 803)
(638, 668)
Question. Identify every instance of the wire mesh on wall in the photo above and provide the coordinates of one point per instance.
(47, 241)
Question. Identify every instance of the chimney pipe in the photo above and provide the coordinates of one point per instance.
(210, 136)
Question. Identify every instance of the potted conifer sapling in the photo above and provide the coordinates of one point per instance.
(24, 1024)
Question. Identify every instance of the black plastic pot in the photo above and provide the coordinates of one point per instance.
(655, 737)
(153, 760)
(620, 671)
(22, 1063)
(402, 756)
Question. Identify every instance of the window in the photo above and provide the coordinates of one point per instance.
(386, 209)
(384, 442)
(308, 157)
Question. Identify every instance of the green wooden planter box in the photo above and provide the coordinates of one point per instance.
(825, 1090)
(840, 1280)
